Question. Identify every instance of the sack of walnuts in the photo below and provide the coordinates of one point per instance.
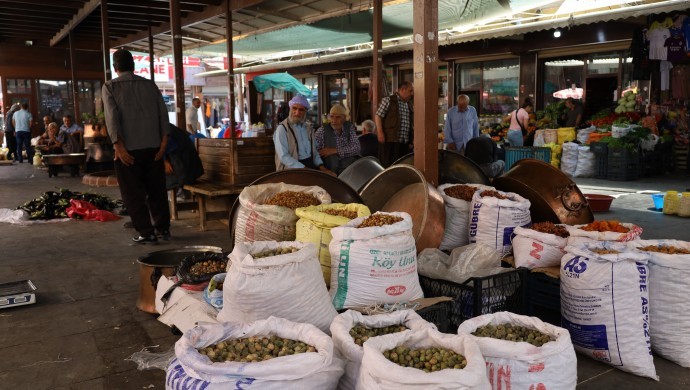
(267, 211)
(493, 217)
(378, 372)
(545, 355)
(193, 369)
(457, 199)
(315, 224)
(281, 279)
(352, 328)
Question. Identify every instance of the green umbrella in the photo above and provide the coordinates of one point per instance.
(280, 81)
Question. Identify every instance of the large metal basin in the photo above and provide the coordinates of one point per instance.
(339, 190)
(64, 159)
(359, 173)
(554, 197)
(403, 188)
(454, 168)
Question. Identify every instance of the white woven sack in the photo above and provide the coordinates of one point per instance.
(456, 233)
(533, 249)
(583, 134)
(577, 235)
(378, 373)
(669, 279)
(539, 138)
(493, 220)
(351, 352)
(259, 222)
(289, 286)
(373, 265)
(586, 163)
(311, 370)
(605, 305)
(569, 158)
(522, 365)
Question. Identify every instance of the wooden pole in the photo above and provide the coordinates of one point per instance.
(425, 59)
(105, 34)
(377, 66)
(75, 86)
(231, 70)
(152, 69)
(176, 32)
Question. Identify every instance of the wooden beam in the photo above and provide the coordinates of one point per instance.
(231, 70)
(58, 12)
(377, 55)
(425, 73)
(127, 9)
(176, 31)
(71, 4)
(85, 11)
(162, 5)
(105, 40)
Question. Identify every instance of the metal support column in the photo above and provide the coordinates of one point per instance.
(377, 67)
(425, 59)
(105, 34)
(176, 32)
(231, 70)
(152, 69)
(75, 83)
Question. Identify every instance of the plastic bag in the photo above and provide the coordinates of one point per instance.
(82, 209)
(457, 218)
(146, 360)
(462, 263)
(522, 365)
(566, 134)
(212, 294)
(351, 352)
(539, 138)
(583, 134)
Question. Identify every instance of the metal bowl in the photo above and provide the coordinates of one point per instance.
(360, 172)
(554, 197)
(453, 168)
(403, 188)
(339, 191)
(64, 159)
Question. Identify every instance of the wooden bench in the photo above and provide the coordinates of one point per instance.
(204, 190)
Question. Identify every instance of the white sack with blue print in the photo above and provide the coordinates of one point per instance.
(493, 219)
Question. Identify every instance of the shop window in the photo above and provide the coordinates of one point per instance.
(603, 64)
(500, 86)
(388, 82)
(561, 75)
(362, 96)
(443, 102)
(18, 86)
(313, 114)
(54, 99)
(469, 76)
(336, 88)
(90, 105)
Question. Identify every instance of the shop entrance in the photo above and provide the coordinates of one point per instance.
(599, 93)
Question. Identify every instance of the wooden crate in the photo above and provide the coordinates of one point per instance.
(681, 157)
(236, 161)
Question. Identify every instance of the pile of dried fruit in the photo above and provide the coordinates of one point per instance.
(669, 250)
(427, 359)
(379, 220)
(207, 267)
(292, 200)
(361, 334)
(602, 251)
(461, 191)
(275, 252)
(511, 332)
(605, 226)
(254, 349)
(550, 228)
(493, 193)
(342, 213)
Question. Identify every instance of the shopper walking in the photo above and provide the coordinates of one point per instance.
(519, 123)
(394, 123)
(10, 135)
(137, 121)
(462, 124)
(22, 121)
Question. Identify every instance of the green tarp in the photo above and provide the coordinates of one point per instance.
(280, 81)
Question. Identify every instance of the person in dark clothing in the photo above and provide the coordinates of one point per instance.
(182, 162)
(483, 151)
(368, 141)
(10, 137)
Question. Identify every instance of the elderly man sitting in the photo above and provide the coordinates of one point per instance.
(337, 141)
(294, 140)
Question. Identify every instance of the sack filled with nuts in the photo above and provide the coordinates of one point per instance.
(541, 245)
(669, 281)
(281, 279)
(394, 362)
(457, 199)
(267, 211)
(605, 304)
(374, 261)
(207, 357)
(532, 351)
(603, 230)
(315, 224)
(493, 217)
(352, 329)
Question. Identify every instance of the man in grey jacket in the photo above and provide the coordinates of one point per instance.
(137, 121)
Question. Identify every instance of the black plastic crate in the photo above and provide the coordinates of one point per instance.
(438, 315)
(544, 297)
(601, 151)
(651, 163)
(623, 164)
(599, 148)
(481, 295)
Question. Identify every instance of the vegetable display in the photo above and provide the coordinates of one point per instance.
(53, 204)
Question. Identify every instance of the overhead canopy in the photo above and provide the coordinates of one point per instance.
(280, 81)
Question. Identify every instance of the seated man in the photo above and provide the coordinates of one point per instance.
(483, 151)
(337, 141)
(52, 142)
(182, 162)
(368, 140)
(71, 133)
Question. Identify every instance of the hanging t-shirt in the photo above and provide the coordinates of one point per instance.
(680, 82)
(664, 70)
(675, 48)
(666, 23)
(657, 38)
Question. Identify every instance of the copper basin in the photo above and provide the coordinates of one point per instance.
(162, 263)
(554, 197)
(64, 159)
(403, 188)
(454, 168)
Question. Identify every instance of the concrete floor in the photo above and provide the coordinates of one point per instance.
(85, 322)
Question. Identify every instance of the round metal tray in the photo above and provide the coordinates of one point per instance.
(453, 168)
(360, 172)
(339, 191)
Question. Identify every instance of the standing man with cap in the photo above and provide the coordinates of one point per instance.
(462, 124)
(394, 123)
(294, 140)
(337, 142)
(137, 121)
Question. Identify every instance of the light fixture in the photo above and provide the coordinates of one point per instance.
(557, 34)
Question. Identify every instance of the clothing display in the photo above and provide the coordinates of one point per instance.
(657, 40)
(675, 48)
(664, 71)
(680, 82)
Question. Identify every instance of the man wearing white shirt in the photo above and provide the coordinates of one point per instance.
(192, 116)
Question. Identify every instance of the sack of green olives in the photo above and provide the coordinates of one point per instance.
(298, 368)
(374, 261)
(258, 221)
(530, 350)
(281, 279)
(352, 329)
(422, 359)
